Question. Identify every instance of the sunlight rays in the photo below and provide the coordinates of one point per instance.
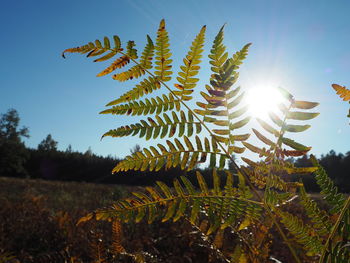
(262, 100)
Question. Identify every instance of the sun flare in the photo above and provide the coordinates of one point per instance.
(263, 100)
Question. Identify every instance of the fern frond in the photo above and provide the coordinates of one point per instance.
(149, 106)
(343, 92)
(273, 198)
(118, 63)
(90, 47)
(228, 75)
(147, 54)
(264, 174)
(163, 203)
(144, 63)
(117, 237)
(220, 99)
(190, 68)
(217, 54)
(337, 244)
(304, 234)
(159, 127)
(335, 199)
(240, 55)
(146, 86)
(95, 49)
(224, 68)
(132, 73)
(275, 150)
(130, 50)
(319, 218)
(162, 59)
(230, 213)
(227, 206)
(177, 154)
(209, 111)
(97, 248)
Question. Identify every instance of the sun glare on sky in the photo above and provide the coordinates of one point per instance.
(262, 100)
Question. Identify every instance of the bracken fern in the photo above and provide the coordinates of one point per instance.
(211, 133)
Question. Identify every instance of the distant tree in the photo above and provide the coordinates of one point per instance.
(136, 148)
(69, 149)
(48, 144)
(13, 153)
(89, 152)
(9, 126)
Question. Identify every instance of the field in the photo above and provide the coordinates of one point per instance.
(38, 224)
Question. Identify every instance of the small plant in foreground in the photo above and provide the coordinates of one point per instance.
(258, 201)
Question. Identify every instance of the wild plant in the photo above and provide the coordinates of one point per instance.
(254, 197)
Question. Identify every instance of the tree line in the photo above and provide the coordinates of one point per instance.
(49, 163)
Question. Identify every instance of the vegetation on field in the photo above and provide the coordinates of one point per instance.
(211, 132)
(256, 212)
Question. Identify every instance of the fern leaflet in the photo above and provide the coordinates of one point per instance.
(190, 68)
(163, 60)
(159, 127)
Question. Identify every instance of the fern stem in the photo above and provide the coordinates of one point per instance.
(335, 228)
(235, 165)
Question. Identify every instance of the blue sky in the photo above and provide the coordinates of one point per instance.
(302, 46)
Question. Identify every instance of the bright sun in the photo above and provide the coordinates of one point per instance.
(262, 100)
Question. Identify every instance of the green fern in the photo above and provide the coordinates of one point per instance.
(335, 199)
(220, 99)
(223, 207)
(160, 127)
(163, 60)
(337, 244)
(186, 78)
(319, 218)
(176, 154)
(146, 86)
(211, 133)
(149, 106)
(304, 234)
(275, 149)
(231, 207)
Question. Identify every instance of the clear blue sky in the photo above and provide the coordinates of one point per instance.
(302, 46)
